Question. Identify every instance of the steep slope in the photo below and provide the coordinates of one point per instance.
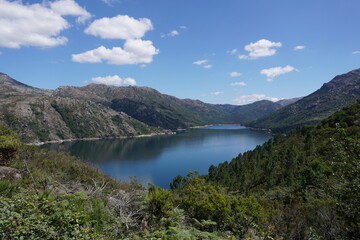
(37, 117)
(332, 96)
(246, 113)
(155, 109)
(309, 178)
(148, 105)
(285, 102)
(9, 84)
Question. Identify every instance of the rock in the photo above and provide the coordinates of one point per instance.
(9, 173)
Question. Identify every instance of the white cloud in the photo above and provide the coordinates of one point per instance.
(233, 51)
(271, 73)
(356, 52)
(109, 2)
(114, 80)
(235, 74)
(216, 93)
(246, 99)
(36, 24)
(238, 84)
(297, 48)
(261, 48)
(70, 7)
(134, 51)
(200, 62)
(119, 27)
(208, 66)
(172, 33)
(183, 27)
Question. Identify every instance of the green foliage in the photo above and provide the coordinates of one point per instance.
(48, 217)
(303, 185)
(340, 92)
(75, 125)
(9, 144)
(310, 178)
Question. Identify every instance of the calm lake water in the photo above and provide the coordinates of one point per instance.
(160, 159)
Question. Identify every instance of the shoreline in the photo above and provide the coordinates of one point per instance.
(211, 125)
(100, 138)
(174, 132)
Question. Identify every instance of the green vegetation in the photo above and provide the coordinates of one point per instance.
(309, 178)
(302, 185)
(331, 97)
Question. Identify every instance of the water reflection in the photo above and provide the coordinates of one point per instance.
(159, 159)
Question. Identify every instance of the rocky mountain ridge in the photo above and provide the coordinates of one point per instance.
(341, 91)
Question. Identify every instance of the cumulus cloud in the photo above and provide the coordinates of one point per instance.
(238, 84)
(134, 51)
(119, 27)
(183, 27)
(216, 93)
(261, 48)
(36, 24)
(235, 74)
(246, 99)
(356, 52)
(114, 80)
(200, 62)
(208, 66)
(70, 7)
(271, 73)
(297, 48)
(172, 33)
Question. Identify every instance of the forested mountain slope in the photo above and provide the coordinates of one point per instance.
(310, 178)
(332, 96)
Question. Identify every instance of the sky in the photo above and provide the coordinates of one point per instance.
(217, 51)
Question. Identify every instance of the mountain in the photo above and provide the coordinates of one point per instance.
(39, 117)
(148, 105)
(308, 178)
(9, 84)
(332, 96)
(285, 102)
(246, 113)
(97, 111)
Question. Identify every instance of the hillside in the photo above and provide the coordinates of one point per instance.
(155, 109)
(310, 178)
(301, 186)
(245, 114)
(148, 105)
(332, 96)
(38, 117)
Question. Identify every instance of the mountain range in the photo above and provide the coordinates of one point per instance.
(341, 91)
(102, 111)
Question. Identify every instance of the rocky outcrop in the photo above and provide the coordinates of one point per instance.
(9, 173)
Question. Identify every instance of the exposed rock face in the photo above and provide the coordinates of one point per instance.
(10, 84)
(332, 96)
(38, 117)
(100, 111)
(9, 173)
(155, 109)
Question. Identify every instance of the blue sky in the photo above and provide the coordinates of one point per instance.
(218, 51)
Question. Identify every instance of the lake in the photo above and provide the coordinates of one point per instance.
(161, 158)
